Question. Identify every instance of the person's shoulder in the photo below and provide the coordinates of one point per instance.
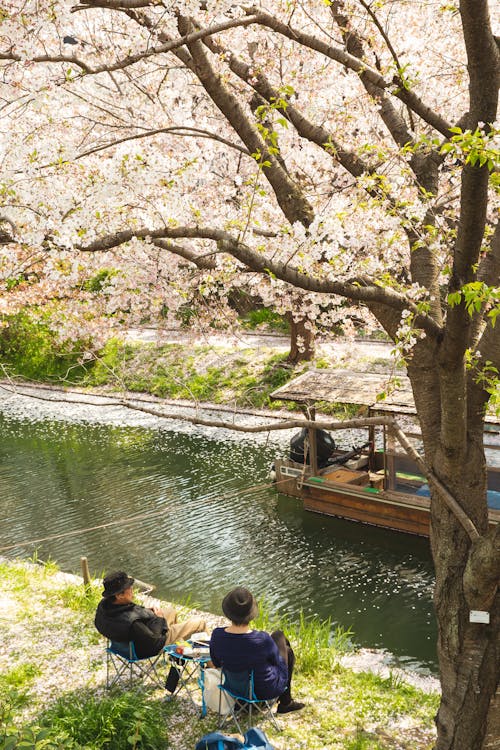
(216, 633)
(261, 636)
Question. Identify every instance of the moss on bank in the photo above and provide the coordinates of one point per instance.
(52, 680)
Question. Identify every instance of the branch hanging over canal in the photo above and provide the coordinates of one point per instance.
(282, 424)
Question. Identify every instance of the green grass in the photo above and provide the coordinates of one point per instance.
(116, 721)
(82, 721)
(344, 710)
(316, 646)
(200, 374)
(264, 317)
(80, 598)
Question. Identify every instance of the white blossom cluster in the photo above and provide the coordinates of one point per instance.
(143, 146)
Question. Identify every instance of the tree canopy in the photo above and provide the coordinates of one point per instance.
(322, 155)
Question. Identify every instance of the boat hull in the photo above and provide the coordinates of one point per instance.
(355, 499)
(394, 511)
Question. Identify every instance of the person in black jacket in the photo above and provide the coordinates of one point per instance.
(119, 619)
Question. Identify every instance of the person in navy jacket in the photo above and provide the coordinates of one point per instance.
(239, 648)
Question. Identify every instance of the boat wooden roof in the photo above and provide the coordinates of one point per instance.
(355, 387)
(349, 387)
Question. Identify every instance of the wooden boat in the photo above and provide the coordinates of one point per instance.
(378, 483)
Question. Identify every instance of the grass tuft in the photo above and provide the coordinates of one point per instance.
(316, 645)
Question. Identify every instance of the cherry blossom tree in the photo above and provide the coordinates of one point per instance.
(327, 156)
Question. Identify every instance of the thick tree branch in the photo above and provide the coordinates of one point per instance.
(72, 59)
(304, 127)
(204, 262)
(396, 86)
(356, 290)
(488, 273)
(489, 267)
(290, 198)
(354, 45)
(255, 16)
(115, 4)
(483, 62)
(167, 46)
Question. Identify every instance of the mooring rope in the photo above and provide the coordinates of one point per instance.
(129, 520)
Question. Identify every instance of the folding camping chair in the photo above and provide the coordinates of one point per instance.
(240, 687)
(123, 666)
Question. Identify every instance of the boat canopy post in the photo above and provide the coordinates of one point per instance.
(313, 455)
(389, 453)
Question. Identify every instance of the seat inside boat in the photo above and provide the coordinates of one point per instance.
(346, 476)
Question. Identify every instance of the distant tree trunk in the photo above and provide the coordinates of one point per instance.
(301, 341)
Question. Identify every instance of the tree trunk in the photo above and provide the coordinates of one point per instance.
(469, 654)
(466, 579)
(301, 340)
(467, 570)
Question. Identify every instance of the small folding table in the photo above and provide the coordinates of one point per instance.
(187, 670)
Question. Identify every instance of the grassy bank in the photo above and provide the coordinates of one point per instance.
(52, 679)
(222, 373)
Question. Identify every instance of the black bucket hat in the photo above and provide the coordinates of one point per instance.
(115, 583)
(240, 606)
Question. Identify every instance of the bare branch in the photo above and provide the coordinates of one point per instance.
(438, 486)
(179, 130)
(10, 55)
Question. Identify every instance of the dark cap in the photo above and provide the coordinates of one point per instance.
(240, 606)
(115, 583)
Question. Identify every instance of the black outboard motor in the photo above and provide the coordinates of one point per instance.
(325, 445)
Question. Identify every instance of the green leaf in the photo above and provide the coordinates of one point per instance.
(42, 735)
(454, 298)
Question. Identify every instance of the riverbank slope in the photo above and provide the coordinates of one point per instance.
(52, 675)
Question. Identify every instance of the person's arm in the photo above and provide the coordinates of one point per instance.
(148, 642)
(272, 652)
(214, 657)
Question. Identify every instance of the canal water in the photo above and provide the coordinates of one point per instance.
(208, 521)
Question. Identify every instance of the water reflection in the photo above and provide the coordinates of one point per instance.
(217, 524)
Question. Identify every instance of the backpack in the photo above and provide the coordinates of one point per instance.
(254, 739)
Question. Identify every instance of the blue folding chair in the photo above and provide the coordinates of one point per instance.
(244, 705)
(123, 666)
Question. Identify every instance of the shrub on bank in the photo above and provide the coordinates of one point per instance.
(29, 347)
